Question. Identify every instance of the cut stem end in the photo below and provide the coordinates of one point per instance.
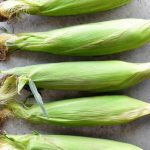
(3, 48)
(9, 9)
(8, 89)
(4, 115)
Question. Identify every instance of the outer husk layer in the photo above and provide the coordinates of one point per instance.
(57, 7)
(60, 142)
(100, 76)
(92, 111)
(86, 40)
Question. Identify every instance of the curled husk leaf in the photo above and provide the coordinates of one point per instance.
(60, 142)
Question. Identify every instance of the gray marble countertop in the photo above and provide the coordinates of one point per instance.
(137, 132)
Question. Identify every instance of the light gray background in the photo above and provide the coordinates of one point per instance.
(138, 132)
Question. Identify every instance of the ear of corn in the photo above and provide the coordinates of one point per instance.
(84, 40)
(92, 111)
(60, 142)
(10, 8)
(100, 76)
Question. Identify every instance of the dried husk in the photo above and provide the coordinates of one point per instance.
(11, 8)
(84, 40)
(60, 142)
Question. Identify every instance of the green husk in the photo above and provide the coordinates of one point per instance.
(90, 111)
(60, 142)
(84, 40)
(98, 76)
(10, 8)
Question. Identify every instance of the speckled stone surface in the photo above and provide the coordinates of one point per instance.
(137, 132)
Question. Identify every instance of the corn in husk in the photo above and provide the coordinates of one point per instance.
(11, 8)
(90, 111)
(99, 76)
(60, 142)
(83, 40)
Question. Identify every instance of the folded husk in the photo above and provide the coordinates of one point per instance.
(60, 142)
(89, 111)
(10, 8)
(85, 40)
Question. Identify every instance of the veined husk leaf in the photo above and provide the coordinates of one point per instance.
(89, 111)
(10, 8)
(60, 142)
(83, 40)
